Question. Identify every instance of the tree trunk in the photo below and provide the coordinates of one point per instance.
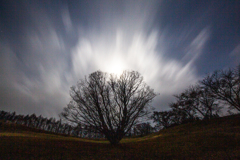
(113, 138)
(114, 141)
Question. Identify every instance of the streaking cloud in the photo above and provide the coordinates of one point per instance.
(119, 36)
(127, 43)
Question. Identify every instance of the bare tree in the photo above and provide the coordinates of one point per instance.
(110, 104)
(163, 118)
(142, 129)
(225, 85)
(185, 105)
(208, 103)
(198, 102)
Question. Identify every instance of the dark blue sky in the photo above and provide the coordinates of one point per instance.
(46, 46)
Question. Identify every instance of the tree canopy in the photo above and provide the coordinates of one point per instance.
(110, 104)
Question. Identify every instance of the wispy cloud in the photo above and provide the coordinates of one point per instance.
(128, 44)
(122, 36)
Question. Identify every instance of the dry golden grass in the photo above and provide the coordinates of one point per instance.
(215, 139)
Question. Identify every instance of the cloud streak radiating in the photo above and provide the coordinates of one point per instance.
(125, 42)
(58, 47)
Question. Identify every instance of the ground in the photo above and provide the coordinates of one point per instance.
(215, 139)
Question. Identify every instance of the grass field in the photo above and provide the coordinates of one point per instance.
(215, 139)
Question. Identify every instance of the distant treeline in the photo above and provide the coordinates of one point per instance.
(205, 100)
(57, 126)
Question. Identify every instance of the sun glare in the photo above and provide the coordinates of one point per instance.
(116, 67)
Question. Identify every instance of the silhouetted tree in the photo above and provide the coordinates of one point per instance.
(224, 85)
(208, 103)
(182, 114)
(178, 116)
(32, 119)
(163, 118)
(12, 116)
(196, 102)
(110, 104)
(26, 120)
(142, 129)
(184, 106)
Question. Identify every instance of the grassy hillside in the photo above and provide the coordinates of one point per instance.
(215, 139)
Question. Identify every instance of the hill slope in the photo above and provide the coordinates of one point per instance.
(215, 139)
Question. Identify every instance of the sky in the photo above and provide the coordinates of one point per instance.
(46, 46)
